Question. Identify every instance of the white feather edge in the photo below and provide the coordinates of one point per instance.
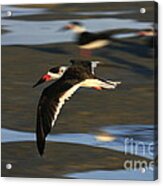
(114, 82)
(97, 83)
(62, 100)
(86, 83)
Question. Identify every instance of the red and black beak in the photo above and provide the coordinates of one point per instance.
(42, 80)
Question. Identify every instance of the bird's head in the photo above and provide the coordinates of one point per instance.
(53, 74)
(76, 27)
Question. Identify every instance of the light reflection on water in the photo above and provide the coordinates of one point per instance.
(41, 32)
(104, 13)
(145, 133)
(114, 175)
(21, 11)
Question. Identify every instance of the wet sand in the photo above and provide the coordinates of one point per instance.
(60, 159)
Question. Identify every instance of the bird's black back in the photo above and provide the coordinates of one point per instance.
(87, 37)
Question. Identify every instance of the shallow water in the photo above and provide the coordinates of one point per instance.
(138, 133)
(20, 11)
(119, 133)
(114, 175)
(104, 13)
(43, 32)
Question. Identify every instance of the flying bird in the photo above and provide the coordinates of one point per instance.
(79, 74)
(87, 41)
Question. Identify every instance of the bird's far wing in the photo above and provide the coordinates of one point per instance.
(49, 107)
(93, 66)
(89, 65)
(109, 33)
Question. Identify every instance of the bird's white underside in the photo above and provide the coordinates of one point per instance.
(62, 100)
(95, 44)
(89, 83)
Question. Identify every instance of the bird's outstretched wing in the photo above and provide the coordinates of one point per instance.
(50, 104)
(87, 37)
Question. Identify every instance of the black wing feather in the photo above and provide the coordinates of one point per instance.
(86, 66)
(47, 108)
(86, 37)
(45, 116)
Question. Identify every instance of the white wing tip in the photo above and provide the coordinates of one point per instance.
(114, 82)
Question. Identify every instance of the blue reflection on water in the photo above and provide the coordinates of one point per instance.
(114, 175)
(42, 32)
(139, 133)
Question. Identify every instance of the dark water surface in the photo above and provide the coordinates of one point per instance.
(88, 140)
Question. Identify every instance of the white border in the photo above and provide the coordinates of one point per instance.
(67, 182)
(58, 1)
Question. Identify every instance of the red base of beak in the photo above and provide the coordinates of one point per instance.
(46, 77)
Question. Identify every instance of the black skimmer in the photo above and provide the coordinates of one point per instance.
(87, 41)
(79, 74)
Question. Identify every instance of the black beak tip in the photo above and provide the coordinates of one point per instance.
(34, 86)
(38, 83)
